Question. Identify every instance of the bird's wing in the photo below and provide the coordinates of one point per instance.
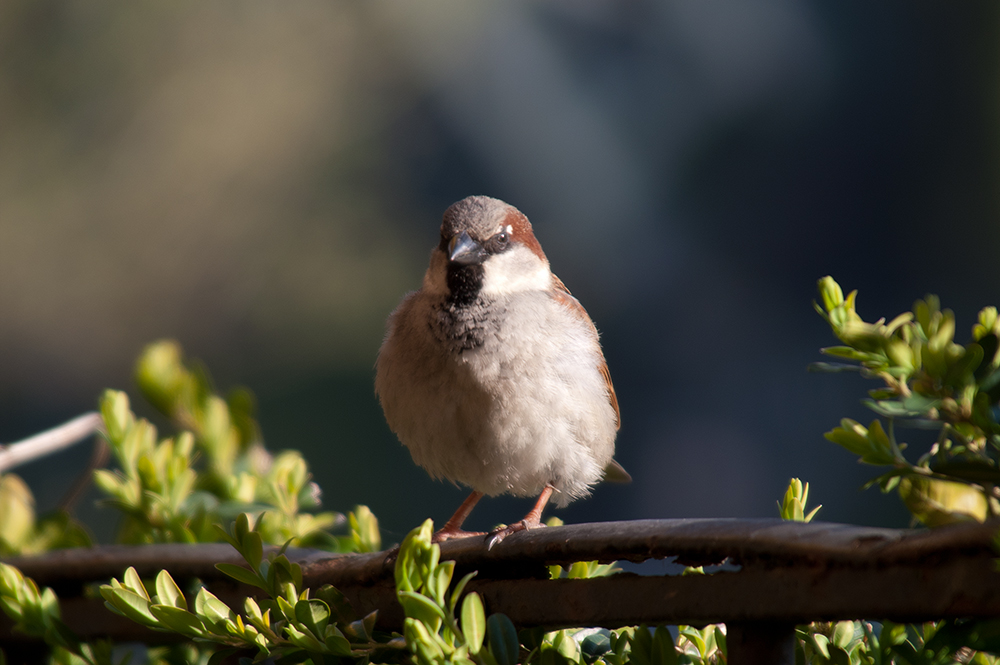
(565, 298)
(616, 473)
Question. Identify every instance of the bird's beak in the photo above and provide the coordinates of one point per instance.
(465, 251)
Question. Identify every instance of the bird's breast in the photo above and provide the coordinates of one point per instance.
(459, 328)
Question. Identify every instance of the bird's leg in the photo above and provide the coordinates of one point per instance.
(453, 527)
(532, 520)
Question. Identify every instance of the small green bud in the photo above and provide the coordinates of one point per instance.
(830, 292)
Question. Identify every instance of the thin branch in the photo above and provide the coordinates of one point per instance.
(50, 441)
(98, 458)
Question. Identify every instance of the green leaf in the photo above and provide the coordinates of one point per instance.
(304, 640)
(179, 620)
(109, 482)
(838, 655)
(832, 368)
(566, 646)
(415, 557)
(473, 622)
(167, 591)
(129, 604)
(287, 609)
(439, 580)
(792, 506)
(871, 444)
(241, 574)
(422, 608)
(821, 644)
(211, 609)
(457, 591)
(961, 371)
(595, 645)
(851, 435)
(133, 583)
(663, 651)
(720, 637)
(978, 634)
(314, 614)
(695, 637)
(241, 527)
(939, 502)
(364, 530)
(830, 292)
(847, 352)
(421, 641)
(642, 645)
(252, 610)
(336, 642)
(340, 608)
(116, 414)
(843, 633)
(253, 549)
(890, 408)
(357, 631)
(920, 404)
(990, 344)
(221, 656)
(503, 643)
(369, 622)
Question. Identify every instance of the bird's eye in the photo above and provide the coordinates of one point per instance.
(499, 242)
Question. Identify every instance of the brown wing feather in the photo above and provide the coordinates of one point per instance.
(566, 298)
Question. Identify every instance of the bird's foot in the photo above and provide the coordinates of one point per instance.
(451, 533)
(438, 537)
(498, 535)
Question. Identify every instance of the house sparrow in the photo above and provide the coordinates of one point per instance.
(492, 374)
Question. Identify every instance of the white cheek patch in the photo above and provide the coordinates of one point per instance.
(515, 270)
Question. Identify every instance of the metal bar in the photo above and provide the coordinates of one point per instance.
(788, 573)
(905, 593)
(762, 542)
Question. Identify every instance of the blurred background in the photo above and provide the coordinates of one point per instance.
(264, 181)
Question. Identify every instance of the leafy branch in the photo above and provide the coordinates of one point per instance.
(290, 622)
(166, 498)
(930, 382)
(36, 613)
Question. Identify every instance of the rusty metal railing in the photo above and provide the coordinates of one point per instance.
(778, 574)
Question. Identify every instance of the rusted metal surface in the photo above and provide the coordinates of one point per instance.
(764, 543)
(788, 573)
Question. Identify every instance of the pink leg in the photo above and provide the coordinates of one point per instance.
(453, 527)
(532, 520)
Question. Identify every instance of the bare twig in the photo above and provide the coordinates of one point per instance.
(50, 441)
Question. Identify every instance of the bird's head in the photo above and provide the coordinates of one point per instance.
(487, 249)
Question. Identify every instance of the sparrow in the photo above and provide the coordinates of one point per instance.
(492, 374)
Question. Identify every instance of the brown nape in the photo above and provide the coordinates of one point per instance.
(521, 231)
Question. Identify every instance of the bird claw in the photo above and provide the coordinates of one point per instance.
(498, 535)
(439, 536)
